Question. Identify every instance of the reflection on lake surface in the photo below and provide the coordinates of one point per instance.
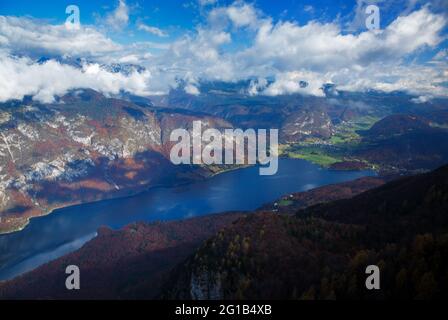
(67, 229)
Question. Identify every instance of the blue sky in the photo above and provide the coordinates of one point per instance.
(228, 40)
(167, 13)
(181, 16)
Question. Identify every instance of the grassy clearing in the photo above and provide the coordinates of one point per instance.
(347, 132)
(342, 137)
(313, 156)
(285, 203)
(330, 151)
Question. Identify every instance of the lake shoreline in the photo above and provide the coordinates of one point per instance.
(131, 194)
(241, 189)
(50, 211)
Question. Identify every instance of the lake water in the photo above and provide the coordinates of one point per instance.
(65, 230)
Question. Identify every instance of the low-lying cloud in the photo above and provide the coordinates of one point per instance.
(22, 76)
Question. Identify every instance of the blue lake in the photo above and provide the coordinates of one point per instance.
(65, 230)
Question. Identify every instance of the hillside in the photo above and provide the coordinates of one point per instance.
(322, 251)
(404, 141)
(134, 261)
(412, 141)
(287, 250)
(395, 125)
(84, 148)
(129, 263)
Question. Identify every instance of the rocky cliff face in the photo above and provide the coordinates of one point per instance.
(85, 147)
(305, 123)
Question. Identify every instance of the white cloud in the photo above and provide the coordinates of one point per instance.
(415, 79)
(242, 15)
(239, 14)
(421, 99)
(206, 2)
(441, 55)
(315, 52)
(308, 8)
(21, 76)
(191, 89)
(153, 30)
(28, 35)
(119, 18)
(368, 60)
(323, 47)
(304, 82)
(199, 56)
(256, 86)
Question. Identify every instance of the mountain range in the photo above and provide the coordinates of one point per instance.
(86, 146)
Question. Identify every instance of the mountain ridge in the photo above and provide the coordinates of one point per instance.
(322, 251)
